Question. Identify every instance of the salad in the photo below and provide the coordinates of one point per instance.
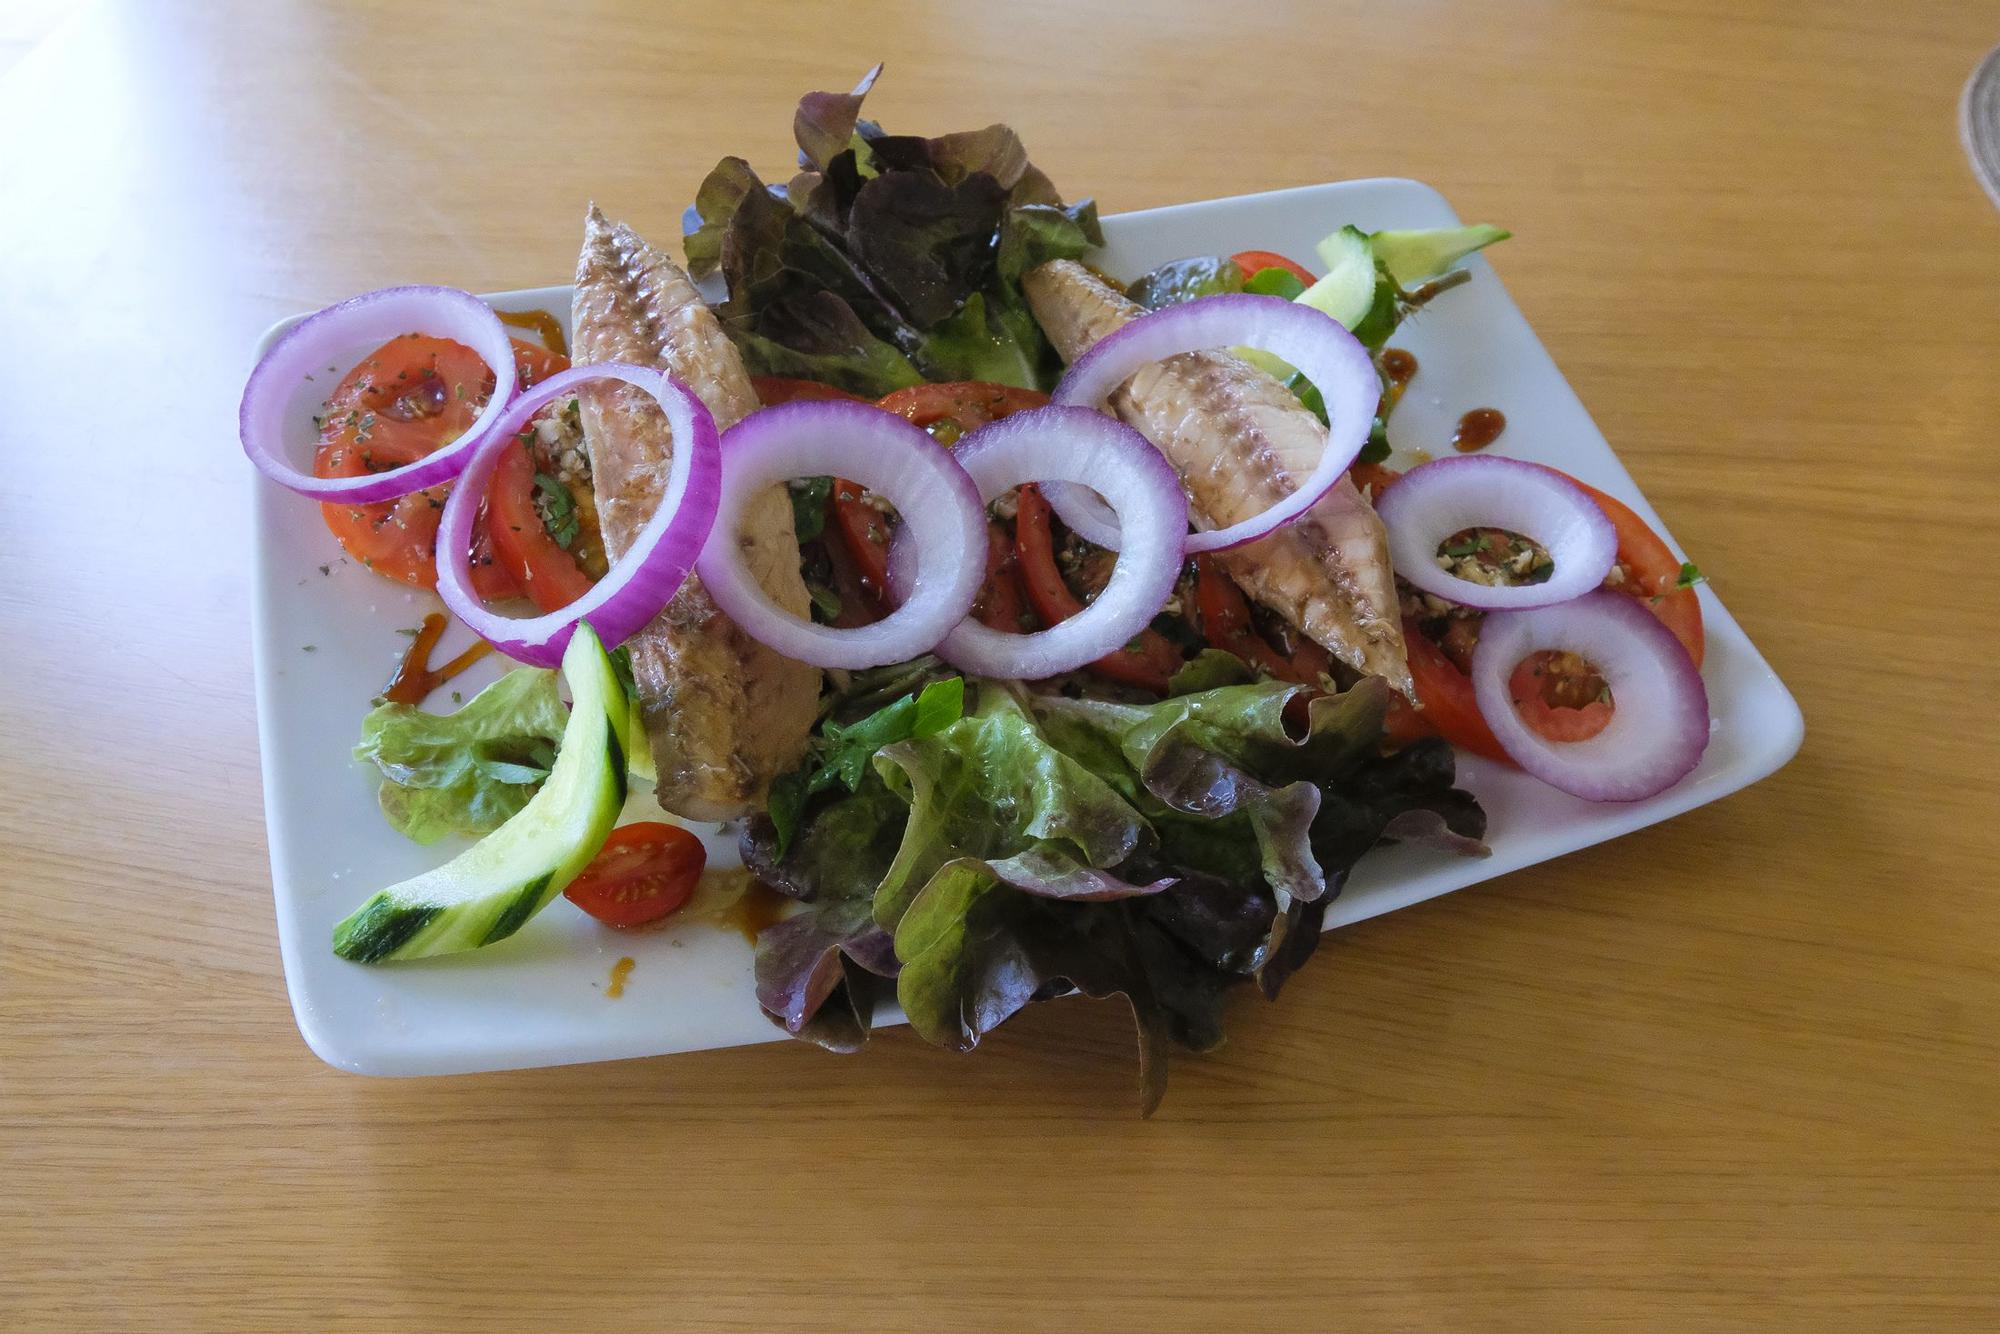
(1031, 630)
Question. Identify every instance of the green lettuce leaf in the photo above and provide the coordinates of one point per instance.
(840, 754)
(466, 772)
(991, 787)
(1199, 755)
(1042, 845)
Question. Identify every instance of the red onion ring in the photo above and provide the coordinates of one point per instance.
(652, 569)
(1659, 722)
(1073, 445)
(885, 453)
(370, 320)
(1434, 500)
(1327, 354)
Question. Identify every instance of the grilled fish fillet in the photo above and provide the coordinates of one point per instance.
(724, 714)
(1241, 442)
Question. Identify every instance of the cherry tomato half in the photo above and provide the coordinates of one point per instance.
(643, 872)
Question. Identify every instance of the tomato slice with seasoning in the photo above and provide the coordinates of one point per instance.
(1227, 625)
(643, 872)
(1451, 709)
(864, 535)
(1147, 662)
(775, 389)
(1372, 479)
(955, 407)
(1544, 689)
(409, 396)
(536, 562)
(948, 410)
(1002, 603)
(1254, 262)
(1651, 573)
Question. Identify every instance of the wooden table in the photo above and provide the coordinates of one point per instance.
(1738, 1069)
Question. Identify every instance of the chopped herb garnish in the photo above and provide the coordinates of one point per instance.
(326, 569)
(826, 602)
(809, 497)
(411, 631)
(558, 510)
(1690, 576)
(1377, 448)
(309, 648)
(842, 753)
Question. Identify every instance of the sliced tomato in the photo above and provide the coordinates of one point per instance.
(864, 531)
(864, 534)
(1652, 571)
(1147, 662)
(828, 556)
(1537, 688)
(1372, 475)
(1226, 624)
(534, 363)
(405, 399)
(643, 872)
(540, 567)
(1254, 262)
(772, 389)
(1451, 710)
(1002, 603)
(952, 409)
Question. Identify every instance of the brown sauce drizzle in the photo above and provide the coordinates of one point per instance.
(415, 678)
(1477, 429)
(540, 323)
(1398, 368)
(760, 907)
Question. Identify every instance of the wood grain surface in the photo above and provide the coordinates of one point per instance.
(1739, 1070)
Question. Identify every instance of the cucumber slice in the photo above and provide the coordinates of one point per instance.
(632, 738)
(1417, 257)
(488, 891)
(632, 724)
(1348, 291)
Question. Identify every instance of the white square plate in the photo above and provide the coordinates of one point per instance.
(539, 998)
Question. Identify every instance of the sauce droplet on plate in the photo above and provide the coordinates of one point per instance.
(759, 907)
(415, 678)
(619, 972)
(1398, 368)
(540, 323)
(1477, 429)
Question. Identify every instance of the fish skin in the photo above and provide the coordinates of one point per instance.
(724, 714)
(1242, 441)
